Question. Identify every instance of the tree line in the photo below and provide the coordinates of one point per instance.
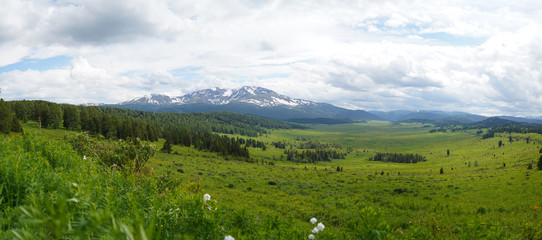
(195, 129)
(313, 156)
(398, 157)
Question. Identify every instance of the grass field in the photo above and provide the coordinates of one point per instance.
(484, 192)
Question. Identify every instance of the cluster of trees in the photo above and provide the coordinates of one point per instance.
(305, 144)
(313, 156)
(220, 144)
(311, 144)
(252, 143)
(204, 141)
(398, 157)
(8, 119)
(279, 144)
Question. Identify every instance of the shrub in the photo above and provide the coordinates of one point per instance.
(129, 155)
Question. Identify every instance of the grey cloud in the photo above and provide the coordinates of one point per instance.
(266, 46)
(397, 73)
(100, 22)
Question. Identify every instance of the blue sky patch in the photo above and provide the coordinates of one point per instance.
(187, 72)
(38, 64)
(453, 39)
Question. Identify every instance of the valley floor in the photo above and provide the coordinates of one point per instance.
(484, 190)
(469, 188)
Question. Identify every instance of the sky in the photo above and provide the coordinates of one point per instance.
(482, 57)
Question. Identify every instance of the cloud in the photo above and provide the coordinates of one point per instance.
(479, 56)
(79, 83)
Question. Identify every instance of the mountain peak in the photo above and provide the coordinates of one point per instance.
(247, 99)
(254, 95)
(259, 96)
(256, 90)
(152, 99)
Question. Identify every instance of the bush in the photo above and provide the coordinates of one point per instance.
(129, 155)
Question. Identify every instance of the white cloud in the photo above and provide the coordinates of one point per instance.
(360, 54)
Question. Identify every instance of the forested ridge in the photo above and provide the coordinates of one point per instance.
(192, 129)
(493, 125)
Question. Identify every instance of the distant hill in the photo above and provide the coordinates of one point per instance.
(442, 118)
(249, 100)
(270, 104)
(428, 116)
(520, 119)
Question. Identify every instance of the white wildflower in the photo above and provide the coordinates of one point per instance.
(315, 230)
(320, 226)
(313, 220)
(84, 157)
(311, 236)
(206, 197)
(229, 238)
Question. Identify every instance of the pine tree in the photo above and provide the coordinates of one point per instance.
(167, 146)
(6, 117)
(72, 118)
(539, 165)
(15, 126)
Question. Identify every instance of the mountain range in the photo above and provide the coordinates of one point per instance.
(249, 100)
(270, 104)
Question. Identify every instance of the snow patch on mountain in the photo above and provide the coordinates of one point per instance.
(248, 94)
(152, 99)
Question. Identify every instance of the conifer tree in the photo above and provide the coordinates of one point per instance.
(6, 117)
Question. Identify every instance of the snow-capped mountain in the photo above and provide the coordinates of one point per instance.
(248, 99)
(258, 96)
(153, 99)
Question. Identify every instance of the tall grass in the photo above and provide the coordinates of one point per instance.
(50, 192)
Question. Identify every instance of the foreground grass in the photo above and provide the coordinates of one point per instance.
(49, 192)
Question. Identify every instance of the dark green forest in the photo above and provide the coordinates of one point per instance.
(200, 130)
(398, 157)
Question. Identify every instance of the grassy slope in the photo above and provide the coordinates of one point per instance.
(500, 197)
(466, 202)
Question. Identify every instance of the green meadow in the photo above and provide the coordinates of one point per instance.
(469, 188)
(484, 190)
